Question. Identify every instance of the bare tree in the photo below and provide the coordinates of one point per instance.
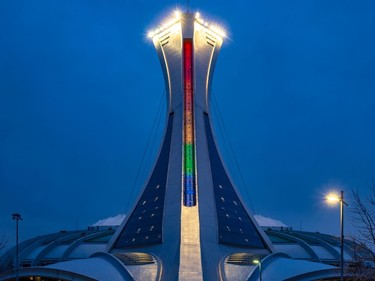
(363, 218)
(361, 267)
(363, 210)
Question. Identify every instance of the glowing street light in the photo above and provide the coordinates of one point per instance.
(17, 217)
(333, 199)
(259, 263)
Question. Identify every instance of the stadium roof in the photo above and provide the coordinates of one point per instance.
(76, 254)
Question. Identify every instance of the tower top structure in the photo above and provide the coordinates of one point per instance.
(178, 16)
(206, 40)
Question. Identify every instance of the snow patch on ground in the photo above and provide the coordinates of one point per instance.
(264, 221)
(111, 221)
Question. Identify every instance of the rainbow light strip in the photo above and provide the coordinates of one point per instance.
(189, 155)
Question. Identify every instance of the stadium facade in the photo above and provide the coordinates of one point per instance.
(189, 221)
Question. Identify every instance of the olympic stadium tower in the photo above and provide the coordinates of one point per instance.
(189, 214)
(189, 221)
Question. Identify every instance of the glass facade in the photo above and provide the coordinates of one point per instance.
(145, 223)
(235, 225)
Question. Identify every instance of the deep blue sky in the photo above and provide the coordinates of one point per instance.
(80, 86)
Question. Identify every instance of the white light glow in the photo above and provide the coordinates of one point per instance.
(166, 23)
(176, 16)
(332, 198)
(218, 30)
(215, 28)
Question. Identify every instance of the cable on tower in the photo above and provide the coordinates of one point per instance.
(142, 167)
(226, 138)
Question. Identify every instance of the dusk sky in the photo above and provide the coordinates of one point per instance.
(80, 88)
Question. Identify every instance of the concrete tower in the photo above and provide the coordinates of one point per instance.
(189, 222)
(189, 218)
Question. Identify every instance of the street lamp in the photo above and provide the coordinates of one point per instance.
(259, 263)
(333, 199)
(17, 217)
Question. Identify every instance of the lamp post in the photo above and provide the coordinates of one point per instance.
(17, 217)
(332, 199)
(259, 263)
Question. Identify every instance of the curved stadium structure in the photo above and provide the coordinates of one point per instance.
(189, 222)
(42, 258)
